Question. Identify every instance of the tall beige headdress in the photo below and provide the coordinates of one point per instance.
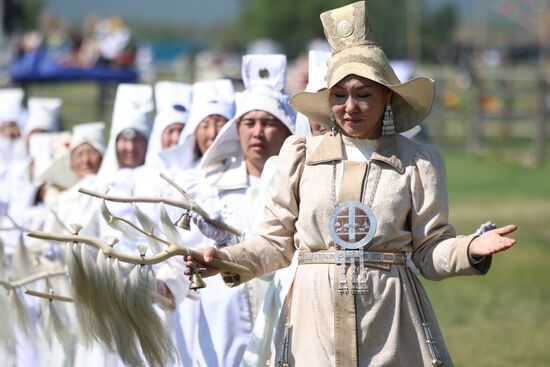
(354, 51)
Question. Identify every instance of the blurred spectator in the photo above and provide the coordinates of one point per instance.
(116, 46)
(106, 42)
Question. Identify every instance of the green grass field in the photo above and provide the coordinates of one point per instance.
(500, 319)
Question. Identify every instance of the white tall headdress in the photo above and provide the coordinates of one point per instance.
(91, 133)
(264, 79)
(265, 73)
(173, 102)
(317, 80)
(212, 97)
(11, 105)
(132, 110)
(43, 113)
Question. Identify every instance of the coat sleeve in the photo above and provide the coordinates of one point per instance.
(272, 247)
(437, 251)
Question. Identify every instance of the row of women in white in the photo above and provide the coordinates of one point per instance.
(214, 142)
(209, 139)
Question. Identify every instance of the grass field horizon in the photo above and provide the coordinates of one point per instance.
(500, 319)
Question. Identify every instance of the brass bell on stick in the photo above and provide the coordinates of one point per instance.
(196, 279)
(185, 221)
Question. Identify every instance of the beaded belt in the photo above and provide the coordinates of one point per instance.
(357, 261)
(340, 257)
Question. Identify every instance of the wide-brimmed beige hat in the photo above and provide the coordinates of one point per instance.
(354, 52)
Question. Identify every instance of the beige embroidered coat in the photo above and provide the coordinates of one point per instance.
(410, 203)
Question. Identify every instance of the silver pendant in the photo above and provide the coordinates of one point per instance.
(352, 225)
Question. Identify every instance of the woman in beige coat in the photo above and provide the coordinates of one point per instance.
(354, 301)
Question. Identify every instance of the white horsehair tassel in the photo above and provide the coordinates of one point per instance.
(75, 228)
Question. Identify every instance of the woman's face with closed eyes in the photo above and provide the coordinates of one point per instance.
(358, 106)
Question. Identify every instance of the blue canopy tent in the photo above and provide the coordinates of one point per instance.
(39, 66)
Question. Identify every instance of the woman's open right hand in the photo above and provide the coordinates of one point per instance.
(205, 268)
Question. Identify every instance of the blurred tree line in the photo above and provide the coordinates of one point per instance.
(294, 23)
(20, 15)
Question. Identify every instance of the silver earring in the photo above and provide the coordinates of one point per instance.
(332, 130)
(388, 128)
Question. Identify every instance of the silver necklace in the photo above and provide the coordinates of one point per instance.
(352, 225)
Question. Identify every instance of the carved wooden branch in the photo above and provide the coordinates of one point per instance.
(48, 296)
(33, 278)
(155, 200)
(171, 251)
(197, 208)
(140, 230)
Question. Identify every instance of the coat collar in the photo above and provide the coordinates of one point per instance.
(331, 149)
(231, 175)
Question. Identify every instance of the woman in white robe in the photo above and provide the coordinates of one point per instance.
(232, 188)
(213, 105)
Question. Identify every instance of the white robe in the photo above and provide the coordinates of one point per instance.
(227, 314)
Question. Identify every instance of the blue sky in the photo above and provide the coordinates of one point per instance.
(203, 12)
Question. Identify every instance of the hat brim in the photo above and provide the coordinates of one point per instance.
(411, 102)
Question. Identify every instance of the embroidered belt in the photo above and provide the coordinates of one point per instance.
(340, 257)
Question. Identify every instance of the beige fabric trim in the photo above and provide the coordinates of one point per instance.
(353, 179)
(329, 149)
(345, 320)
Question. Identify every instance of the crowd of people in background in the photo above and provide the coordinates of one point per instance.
(105, 41)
